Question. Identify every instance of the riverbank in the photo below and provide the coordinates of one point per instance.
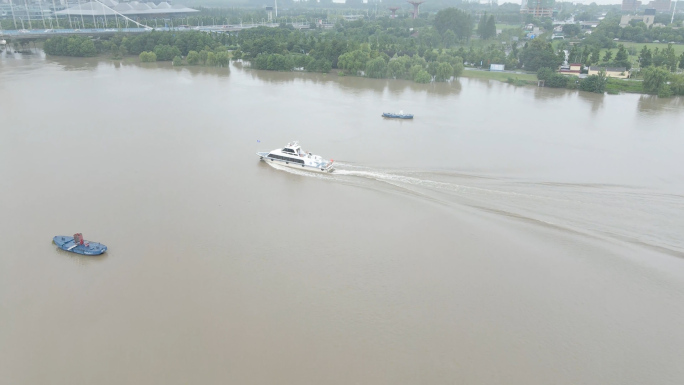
(527, 78)
(613, 86)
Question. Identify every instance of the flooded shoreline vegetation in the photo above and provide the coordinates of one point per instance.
(656, 81)
(78, 46)
(431, 48)
(147, 57)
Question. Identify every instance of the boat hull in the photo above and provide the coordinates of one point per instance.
(304, 167)
(67, 243)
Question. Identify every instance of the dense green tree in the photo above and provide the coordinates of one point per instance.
(490, 27)
(573, 55)
(645, 57)
(183, 41)
(414, 70)
(670, 58)
(537, 54)
(595, 56)
(222, 59)
(260, 62)
(166, 52)
(177, 61)
(594, 83)
(655, 81)
(147, 57)
(557, 80)
(561, 55)
(444, 72)
(571, 30)
(211, 59)
(88, 48)
(544, 73)
(376, 68)
(455, 20)
(622, 58)
(677, 84)
(422, 76)
(432, 68)
(608, 56)
(457, 65)
(586, 53)
(192, 58)
(658, 57)
(278, 62)
(203, 55)
(354, 61)
(323, 65)
(79, 46)
(681, 61)
(449, 39)
(399, 67)
(303, 61)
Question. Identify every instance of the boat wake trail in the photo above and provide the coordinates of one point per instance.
(631, 214)
(636, 215)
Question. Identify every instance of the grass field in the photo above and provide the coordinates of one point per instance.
(508, 26)
(615, 86)
(678, 48)
(501, 76)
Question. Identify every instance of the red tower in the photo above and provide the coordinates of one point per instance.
(394, 12)
(416, 4)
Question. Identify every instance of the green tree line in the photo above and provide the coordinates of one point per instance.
(79, 46)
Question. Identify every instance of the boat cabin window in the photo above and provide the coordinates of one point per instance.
(285, 158)
(288, 150)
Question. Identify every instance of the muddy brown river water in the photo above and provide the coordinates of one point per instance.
(506, 235)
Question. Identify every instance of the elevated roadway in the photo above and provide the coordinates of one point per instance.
(28, 34)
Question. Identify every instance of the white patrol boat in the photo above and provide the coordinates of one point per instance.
(293, 156)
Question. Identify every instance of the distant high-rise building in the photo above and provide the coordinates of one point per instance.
(538, 8)
(660, 5)
(630, 5)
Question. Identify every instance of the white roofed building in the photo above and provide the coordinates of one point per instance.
(133, 8)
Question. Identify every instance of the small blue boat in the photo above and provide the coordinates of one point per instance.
(400, 115)
(78, 245)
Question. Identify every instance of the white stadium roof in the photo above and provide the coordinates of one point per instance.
(96, 8)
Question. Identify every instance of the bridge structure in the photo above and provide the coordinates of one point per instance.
(72, 15)
(102, 15)
(35, 34)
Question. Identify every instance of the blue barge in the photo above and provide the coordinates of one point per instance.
(78, 245)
